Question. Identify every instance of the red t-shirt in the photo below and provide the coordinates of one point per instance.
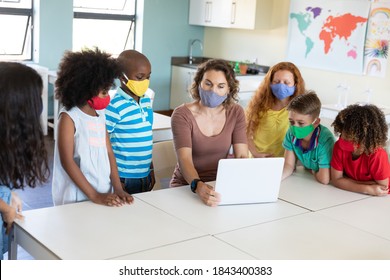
(373, 167)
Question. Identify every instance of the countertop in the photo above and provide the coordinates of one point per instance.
(183, 62)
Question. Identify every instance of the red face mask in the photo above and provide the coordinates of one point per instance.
(99, 103)
(346, 145)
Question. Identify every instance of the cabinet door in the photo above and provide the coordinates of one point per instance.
(243, 13)
(248, 86)
(181, 82)
(220, 11)
(199, 12)
(210, 12)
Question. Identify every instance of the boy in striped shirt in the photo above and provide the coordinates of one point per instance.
(129, 120)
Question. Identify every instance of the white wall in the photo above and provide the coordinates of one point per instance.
(268, 44)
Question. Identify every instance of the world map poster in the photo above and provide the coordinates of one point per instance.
(328, 35)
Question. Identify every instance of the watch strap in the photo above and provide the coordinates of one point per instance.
(194, 184)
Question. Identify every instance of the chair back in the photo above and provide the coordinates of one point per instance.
(164, 162)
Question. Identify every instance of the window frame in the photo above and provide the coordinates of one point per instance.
(29, 13)
(112, 17)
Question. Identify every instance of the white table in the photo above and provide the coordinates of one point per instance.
(174, 223)
(90, 231)
(370, 215)
(330, 111)
(308, 236)
(161, 128)
(202, 248)
(183, 204)
(303, 190)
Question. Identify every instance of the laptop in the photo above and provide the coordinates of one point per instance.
(249, 180)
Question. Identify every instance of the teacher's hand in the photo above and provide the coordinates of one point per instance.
(207, 194)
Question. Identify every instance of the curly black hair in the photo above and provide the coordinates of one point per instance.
(217, 65)
(23, 157)
(82, 75)
(364, 125)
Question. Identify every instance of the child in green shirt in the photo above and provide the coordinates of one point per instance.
(306, 139)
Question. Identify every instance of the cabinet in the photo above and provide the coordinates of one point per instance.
(248, 86)
(223, 13)
(243, 14)
(181, 80)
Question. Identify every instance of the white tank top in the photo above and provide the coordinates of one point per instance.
(90, 154)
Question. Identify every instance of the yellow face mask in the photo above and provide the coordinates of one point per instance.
(137, 87)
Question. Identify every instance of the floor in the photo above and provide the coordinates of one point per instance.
(38, 197)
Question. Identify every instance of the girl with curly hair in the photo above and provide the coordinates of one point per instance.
(267, 117)
(205, 129)
(359, 161)
(84, 163)
(23, 157)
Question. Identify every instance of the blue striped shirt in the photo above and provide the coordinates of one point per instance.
(129, 125)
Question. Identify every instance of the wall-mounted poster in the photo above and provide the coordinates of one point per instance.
(377, 40)
(328, 34)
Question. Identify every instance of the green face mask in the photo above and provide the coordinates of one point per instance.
(302, 132)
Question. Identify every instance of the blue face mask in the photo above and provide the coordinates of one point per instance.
(210, 99)
(282, 91)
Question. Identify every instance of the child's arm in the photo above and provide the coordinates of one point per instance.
(114, 176)
(345, 183)
(9, 215)
(65, 141)
(323, 175)
(289, 163)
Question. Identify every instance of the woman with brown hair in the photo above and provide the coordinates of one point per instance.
(205, 129)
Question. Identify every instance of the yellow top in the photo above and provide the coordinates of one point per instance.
(271, 131)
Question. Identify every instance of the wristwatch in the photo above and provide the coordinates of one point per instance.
(194, 184)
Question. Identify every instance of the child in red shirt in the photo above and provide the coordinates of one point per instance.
(359, 160)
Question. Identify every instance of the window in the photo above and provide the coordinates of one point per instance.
(108, 25)
(16, 17)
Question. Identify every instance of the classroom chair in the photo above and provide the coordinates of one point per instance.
(164, 162)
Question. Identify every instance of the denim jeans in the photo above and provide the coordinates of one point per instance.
(137, 185)
(5, 195)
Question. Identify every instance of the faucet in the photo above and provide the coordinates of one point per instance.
(191, 45)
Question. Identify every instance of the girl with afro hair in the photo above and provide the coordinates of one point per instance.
(84, 163)
(359, 161)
